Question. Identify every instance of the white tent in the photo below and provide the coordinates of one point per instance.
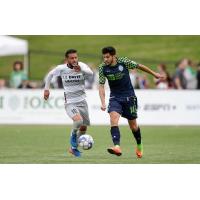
(14, 46)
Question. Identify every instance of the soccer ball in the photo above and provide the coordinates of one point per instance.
(85, 141)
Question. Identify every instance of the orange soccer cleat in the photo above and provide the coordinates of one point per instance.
(115, 150)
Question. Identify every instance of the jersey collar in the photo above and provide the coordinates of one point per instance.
(69, 66)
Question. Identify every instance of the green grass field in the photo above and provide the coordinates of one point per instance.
(47, 144)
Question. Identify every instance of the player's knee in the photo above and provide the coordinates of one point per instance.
(77, 124)
(134, 127)
(77, 117)
(114, 121)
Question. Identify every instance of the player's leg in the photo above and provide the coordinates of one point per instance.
(82, 130)
(83, 110)
(74, 114)
(114, 110)
(115, 133)
(135, 130)
(77, 123)
(137, 135)
(129, 108)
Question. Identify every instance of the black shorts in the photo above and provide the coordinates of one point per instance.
(125, 106)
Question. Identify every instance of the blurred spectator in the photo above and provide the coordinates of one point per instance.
(134, 78)
(179, 79)
(165, 83)
(143, 82)
(190, 75)
(198, 76)
(18, 78)
(2, 84)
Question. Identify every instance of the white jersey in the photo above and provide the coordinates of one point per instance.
(73, 82)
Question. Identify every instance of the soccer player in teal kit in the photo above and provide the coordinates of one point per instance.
(123, 101)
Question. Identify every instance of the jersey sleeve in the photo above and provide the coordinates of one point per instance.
(86, 69)
(102, 78)
(50, 75)
(55, 71)
(130, 64)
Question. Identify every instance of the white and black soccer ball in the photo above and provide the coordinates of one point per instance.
(85, 141)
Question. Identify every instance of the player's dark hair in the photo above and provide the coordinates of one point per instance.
(110, 50)
(69, 51)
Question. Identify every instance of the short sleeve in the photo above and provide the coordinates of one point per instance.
(102, 78)
(130, 64)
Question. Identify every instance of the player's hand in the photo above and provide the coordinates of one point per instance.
(103, 107)
(159, 76)
(77, 68)
(46, 94)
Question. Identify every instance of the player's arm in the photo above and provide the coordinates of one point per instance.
(130, 64)
(102, 80)
(50, 75)
(149, 71)
(102, 97)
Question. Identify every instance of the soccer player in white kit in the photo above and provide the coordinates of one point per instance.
(73, 74)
